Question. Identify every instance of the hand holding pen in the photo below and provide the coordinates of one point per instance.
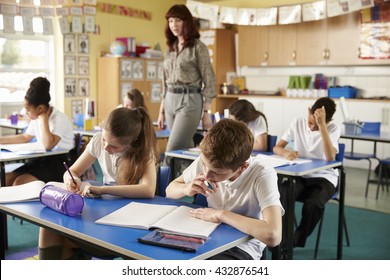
(73, 184)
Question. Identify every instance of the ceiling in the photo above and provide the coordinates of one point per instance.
(254, 3)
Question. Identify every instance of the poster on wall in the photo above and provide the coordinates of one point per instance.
(69, 43)
(83, 87)
(228, 15)
(247, 16)
(267, 16)
(160, 71)
(290, 14)
(151, 70)
(83, 65)
(313, 11)
(156, 90)
(138, 70)
(126, 69)
(83, 44)
(77, 24)
(70, 87)
(77, 107)
(125, 87)
(69, 65)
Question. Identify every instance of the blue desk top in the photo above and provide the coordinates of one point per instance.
(291, 170)
(121, 240)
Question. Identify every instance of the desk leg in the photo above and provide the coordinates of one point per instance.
(3, 220)
(341, 214)
(287, 244)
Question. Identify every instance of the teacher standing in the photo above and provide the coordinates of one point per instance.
(188, 80)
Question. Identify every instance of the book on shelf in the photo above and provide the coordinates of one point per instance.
(276, 161)
(28, 192)
(24, 148)
(158, 216)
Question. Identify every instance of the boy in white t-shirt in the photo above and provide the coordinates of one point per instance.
(313, 137)
(240, 192)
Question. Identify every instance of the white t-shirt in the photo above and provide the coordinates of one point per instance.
(309, 144)
(108, 162)
(258, 126)
(59, 124)
(253, 191)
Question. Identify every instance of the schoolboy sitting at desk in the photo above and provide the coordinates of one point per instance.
(314, 137)
(126, 151)
(51, 127)
(242, 193)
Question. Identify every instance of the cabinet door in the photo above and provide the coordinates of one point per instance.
(311, 43)
(282, 45)
(343, 40)
(253, 45)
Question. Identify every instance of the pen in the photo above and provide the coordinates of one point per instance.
(70, 173)
(209, 185)
(183, 238)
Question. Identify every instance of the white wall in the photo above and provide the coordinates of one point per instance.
(370, 80)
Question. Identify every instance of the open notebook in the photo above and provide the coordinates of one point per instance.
(275, 161)
(166, 217)
(24, 148)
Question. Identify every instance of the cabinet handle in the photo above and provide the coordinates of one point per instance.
(327, 54)
(265, 56)
(294, 55)
(324, 53)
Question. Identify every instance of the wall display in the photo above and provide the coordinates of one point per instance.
(70, 87)
(156, 90)
(83, 87)
(89, 24)
(138, 70)
(9, 24)
(247, 16)
(151, 70)
(83, 44)
(64, 24)
(267, 16)
(314, 11)
(290, 14)
(77, 24)
(77, 107)
(47, 26)
(160, 71)
(125, 87)
(28, 26)
(69, 43)
(228, 15)
(69, 65)
(83, 67)
(126, 69)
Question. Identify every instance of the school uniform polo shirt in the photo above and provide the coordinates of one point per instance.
(309, 144)
(253, 191)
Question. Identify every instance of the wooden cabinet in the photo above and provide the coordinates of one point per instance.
(282, 45)
(115, 76)
(253, 45)
(221, 44)
(334, 41)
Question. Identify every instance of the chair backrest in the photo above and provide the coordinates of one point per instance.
(163, 179)
(271, 142)
(340, 154)
(78, 120)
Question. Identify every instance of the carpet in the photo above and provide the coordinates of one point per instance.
(368, 233)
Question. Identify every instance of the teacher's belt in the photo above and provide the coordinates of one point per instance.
(183, 89)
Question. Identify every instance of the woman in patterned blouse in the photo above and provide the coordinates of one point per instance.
(188, 80)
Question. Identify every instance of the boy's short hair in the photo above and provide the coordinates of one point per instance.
(228, 144)
(329, 105)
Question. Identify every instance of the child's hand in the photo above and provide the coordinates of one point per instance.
(207, 214)
(71, 186)
(202, 186)
(292, 155)
(90, 191)
(320, 116)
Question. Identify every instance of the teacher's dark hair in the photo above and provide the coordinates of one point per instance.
(190, 29)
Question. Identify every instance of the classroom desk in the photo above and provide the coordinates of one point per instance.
(7, 157)
(120, 241)
(160, 134)
(383, 137)
(290, 172)
(6, 123)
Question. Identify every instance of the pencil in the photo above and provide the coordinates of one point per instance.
(183, 238)
(70, 173)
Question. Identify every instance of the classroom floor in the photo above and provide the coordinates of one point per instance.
(355, 190)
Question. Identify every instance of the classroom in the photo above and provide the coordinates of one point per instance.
(281, 56)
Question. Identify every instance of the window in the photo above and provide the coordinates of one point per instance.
(22, 58)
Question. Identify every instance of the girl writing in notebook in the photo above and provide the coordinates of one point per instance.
(126, 151)
(50, 127)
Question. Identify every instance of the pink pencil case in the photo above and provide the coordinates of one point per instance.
(61, 200)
